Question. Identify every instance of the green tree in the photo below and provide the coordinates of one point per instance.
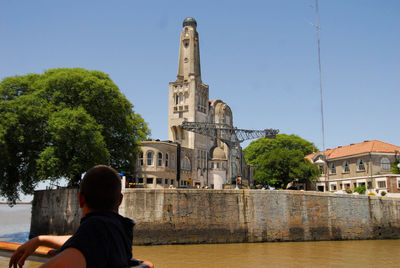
(395, 168)
(59, 124)
(281, 160)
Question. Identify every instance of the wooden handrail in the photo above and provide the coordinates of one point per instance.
(9, 246)
(7, 249)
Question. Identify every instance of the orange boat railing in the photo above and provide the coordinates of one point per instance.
(40, 255)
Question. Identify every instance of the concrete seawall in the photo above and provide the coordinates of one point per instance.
(170, 216)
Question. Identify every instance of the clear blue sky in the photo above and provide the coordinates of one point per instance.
(260, 57)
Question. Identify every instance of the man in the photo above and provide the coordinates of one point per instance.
(103, 239)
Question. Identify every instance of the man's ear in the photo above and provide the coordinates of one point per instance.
(120, 199)
(81, 199)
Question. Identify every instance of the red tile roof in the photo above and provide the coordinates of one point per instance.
(358, 148)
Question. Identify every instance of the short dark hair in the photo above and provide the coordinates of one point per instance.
(101, 187)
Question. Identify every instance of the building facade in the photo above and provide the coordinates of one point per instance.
(189, 159)
(362, 164)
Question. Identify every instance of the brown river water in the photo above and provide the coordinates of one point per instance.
(370, 253)
(15, 223)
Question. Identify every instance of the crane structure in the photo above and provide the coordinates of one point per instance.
(226, 133)
(231, 136)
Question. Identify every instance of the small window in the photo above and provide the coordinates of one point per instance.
(212, 165)
(321, 170)
(180, 115)
(167, 160)
(172, 182)
(385, 164)
(159, 181)
(141, 159)
(333, 187)
(149, 181)
(381, 184)
(176, 99)
(159, 159)
(217, 165)
(140, 180)
(360, 165)
(150, 155)
(173, 161)
(346, 167)
(332, 168)
(166, 181)
(181, 99)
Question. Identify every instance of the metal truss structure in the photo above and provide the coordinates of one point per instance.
(226, 133)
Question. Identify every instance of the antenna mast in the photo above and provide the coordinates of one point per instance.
(320, 74)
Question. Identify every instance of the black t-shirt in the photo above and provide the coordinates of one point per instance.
(104, 238)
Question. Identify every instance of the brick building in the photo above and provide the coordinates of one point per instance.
(366, 163)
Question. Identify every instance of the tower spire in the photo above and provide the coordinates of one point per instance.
(189, 52)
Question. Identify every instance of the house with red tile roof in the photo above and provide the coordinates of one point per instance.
(366, 164)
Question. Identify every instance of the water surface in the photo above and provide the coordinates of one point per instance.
(371, 253)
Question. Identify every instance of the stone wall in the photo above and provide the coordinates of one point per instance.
(171, 216)
(55, 212)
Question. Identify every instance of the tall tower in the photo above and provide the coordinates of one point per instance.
(188, 96)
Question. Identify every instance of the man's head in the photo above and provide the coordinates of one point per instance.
(101, 189)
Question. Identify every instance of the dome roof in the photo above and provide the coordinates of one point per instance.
(189, 22)
(218, 153)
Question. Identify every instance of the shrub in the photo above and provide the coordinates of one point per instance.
(383, 193)
(360, 189)
(348, 190)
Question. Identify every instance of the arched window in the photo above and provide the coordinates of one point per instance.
(166, 160)
(332, 168)
(186, 164)
(141, 159)
(346, 167)
(159, 159)
(360, 165)
(150, 156)
(186, 31)
(385, 163)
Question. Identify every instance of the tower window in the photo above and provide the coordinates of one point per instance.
(176, 99)
(186, 31)
(186, 44)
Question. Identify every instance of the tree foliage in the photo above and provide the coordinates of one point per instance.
(281, 160)
(394, 167)
(59, 124)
